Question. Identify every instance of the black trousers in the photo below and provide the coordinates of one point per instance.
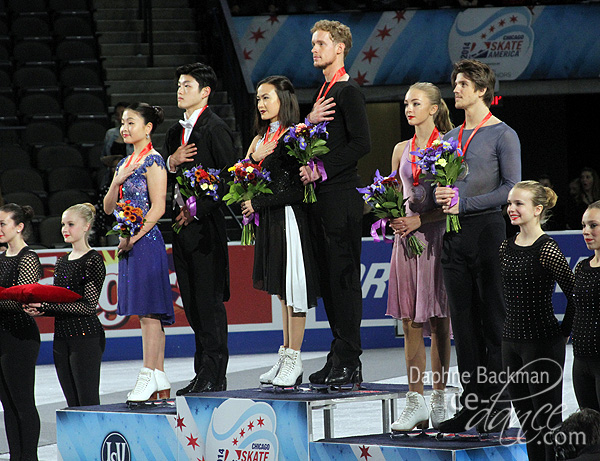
(77, 361)
(201, 275)
(18, 354)
(471, 268)
(336, 221)
(535, 371)
(586, 382)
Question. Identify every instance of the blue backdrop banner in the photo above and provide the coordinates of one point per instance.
(403, 47)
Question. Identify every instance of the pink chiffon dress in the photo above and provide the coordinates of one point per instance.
(416, 286)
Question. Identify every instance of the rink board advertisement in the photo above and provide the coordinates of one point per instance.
(392, 47)
(255, 317)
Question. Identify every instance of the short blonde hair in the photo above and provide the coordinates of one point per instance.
(340, 33)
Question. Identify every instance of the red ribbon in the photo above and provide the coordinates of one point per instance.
(339, 74)
(143, 152)
(416, 170)
(460, 133)
(183, 143)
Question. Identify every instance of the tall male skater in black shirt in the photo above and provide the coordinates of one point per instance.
(200, 248)
(336, 217)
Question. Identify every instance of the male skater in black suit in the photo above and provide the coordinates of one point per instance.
(337, 215)
(200, 248)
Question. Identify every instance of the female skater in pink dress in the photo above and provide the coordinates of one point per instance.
(416, 291)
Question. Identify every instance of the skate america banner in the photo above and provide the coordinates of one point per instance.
(254, 317)
(403, 47)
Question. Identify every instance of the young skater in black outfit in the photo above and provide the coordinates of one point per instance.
(533, 341)
(586, 336)
(78, 334)
(19, 335)
(336, 217)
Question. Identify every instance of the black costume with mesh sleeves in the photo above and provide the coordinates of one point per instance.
(21, 269)
(586, 325)
(528, 275)
(84, 276)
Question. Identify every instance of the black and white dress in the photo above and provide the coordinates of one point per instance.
(283, 259)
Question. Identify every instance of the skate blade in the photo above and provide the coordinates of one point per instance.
(151, 403)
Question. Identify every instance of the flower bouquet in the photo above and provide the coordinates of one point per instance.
(249, 179)
(387, 200)
(444, 160)
(130, 220)
(197, 182)
(306, 142)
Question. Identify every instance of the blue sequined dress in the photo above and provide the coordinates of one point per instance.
(144, 286)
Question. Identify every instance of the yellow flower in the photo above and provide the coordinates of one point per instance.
(231, 168)
(441, 162)
(204, 186)
(249, 169)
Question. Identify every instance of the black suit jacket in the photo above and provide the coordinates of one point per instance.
(214, 141)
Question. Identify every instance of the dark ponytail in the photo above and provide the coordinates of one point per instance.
(150, 114)
(20, 214)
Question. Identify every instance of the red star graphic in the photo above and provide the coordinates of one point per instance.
(502, 22)
(247, 54)
(360, 79)
(370, 54)
(513, 19)
(364, 451)
(385, 32)
(399, 15)
(250, 425)
(261, 422)
(234, 442)
(483, 35)
(256, 36)
(492, 29)
(193, 441)
(242, 432)
(273, 19)
(180, 424)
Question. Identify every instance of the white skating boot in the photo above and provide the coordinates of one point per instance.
(437, 405)
(291, 370)
(163, 386)
(415, 414)
(267, 378)
(145, 386)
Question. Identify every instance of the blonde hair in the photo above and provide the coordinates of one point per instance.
(594, 205)
(442, 117)
(87, 211)
(340, 33)
(540, 195)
